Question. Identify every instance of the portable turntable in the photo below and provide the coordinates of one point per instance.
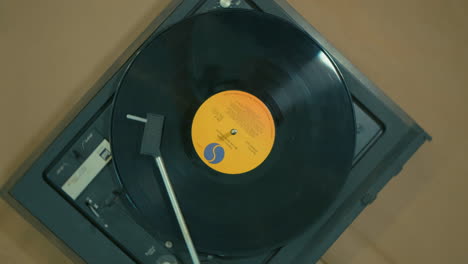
(230, 132)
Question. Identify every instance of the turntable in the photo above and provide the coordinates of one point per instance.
(231, 132)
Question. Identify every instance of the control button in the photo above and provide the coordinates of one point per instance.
(225, 3)
(167, 259)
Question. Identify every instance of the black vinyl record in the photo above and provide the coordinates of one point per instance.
(264, 56)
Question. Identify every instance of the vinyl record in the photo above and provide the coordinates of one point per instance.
(259, 132)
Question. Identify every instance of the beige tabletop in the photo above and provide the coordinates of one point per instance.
(53, 51)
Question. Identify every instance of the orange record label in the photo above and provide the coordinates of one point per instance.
(233, 132)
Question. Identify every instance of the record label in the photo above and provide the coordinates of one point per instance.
(233, 132)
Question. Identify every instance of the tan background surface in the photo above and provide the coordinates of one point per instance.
(52, 51)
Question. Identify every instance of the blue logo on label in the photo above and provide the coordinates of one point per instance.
(214, 153)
